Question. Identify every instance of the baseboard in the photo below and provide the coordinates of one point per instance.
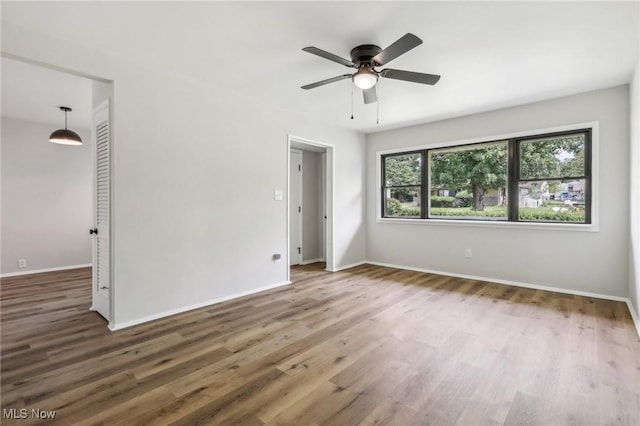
(634, 315)
(40, 271)
(126, 324)
(342, 268)
(308, 262)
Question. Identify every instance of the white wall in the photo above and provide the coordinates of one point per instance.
(595, 262)
(311, 205)
(46, 198)
(194, 170)
(634, 142)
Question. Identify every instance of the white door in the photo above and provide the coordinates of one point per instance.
(101, 258)
(295, 207)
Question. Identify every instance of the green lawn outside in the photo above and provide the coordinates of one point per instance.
(544, 213)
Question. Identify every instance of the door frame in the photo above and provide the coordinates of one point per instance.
(300, 227)
(323, 207)
(328, 197)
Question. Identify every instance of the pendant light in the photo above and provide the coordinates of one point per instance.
(65, 136)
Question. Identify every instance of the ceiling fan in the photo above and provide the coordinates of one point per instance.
(365, 58)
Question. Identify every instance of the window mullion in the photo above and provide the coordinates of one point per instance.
(383, 200)
(513, 165)
(423, 184)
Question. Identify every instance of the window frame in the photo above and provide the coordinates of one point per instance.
(384, 187)
(513, 141)
(495, 142)
(513, 207)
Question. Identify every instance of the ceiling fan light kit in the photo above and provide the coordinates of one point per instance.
(365, 58)
(364, 78)
(65, 136)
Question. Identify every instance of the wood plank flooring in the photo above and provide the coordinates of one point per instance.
(366, 346)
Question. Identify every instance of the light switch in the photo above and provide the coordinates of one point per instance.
(277, 195)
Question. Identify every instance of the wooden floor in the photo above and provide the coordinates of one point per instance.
(369, 345)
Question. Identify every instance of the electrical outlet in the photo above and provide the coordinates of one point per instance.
(22, 263)
(467, 253)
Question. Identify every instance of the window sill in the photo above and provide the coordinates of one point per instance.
(493, 224)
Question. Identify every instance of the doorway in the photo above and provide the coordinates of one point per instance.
(310, 202)
(64, 182)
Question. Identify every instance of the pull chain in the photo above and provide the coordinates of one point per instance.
(351, 101)
(378, 107)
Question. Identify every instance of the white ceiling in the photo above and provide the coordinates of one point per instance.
(35, 93)
(490, 54)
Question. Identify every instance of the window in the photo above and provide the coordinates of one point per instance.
(553, 183)
(542, 178)
(468, 181)
(402, 177)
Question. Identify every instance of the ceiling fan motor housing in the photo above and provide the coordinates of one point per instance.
(363, 55)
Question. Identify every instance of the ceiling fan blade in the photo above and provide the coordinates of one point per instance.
(329, 56)
(370, 95)
(414, 77)
(400, 47)
(327, 81)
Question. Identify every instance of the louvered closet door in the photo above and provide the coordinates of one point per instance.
(101, 258)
